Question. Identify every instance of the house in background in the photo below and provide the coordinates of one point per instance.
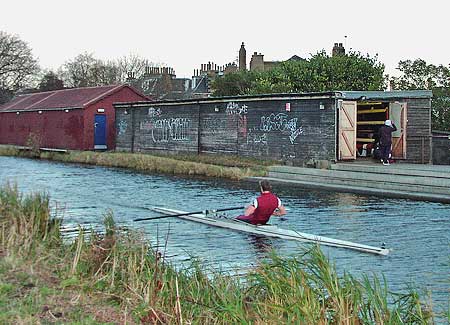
(161, 83)
(77, 119)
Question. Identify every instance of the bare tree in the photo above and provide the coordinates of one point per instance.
(81, 71)
(107, 73)
(87, 71)
(17, 64)
(133, 64)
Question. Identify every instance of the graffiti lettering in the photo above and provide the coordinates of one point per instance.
(257, 138)
(154, 112)
(280, 122)
(234, 109)
(122, 127)
(173, 129)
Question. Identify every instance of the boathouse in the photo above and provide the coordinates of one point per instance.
(297, 129)
(78, 118)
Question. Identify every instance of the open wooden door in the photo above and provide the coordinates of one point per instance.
(398, 116)
(347, 130)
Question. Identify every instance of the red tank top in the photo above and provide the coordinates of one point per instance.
(267, 203)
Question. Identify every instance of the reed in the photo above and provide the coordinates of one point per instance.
(25, 221)
(137, 279)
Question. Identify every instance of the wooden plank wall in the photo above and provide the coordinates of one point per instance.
(418, 130)
(124, 130)
(265, 129)
(259, 128)
(441, 148)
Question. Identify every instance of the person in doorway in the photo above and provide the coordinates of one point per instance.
(263, 207)
(385, 137)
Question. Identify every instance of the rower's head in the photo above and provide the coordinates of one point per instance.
(265, 186)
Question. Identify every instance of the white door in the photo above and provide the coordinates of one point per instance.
(347, 130)
(398, 116)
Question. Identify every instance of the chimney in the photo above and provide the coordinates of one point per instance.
(338, 49)
(242, 58)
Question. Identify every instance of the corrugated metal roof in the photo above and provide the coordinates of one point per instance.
(285, 96)
(351, 95)
(59, 99)
(387, 94)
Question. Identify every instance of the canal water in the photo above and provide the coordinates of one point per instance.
(418, 232)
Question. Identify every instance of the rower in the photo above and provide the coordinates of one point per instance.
(263, 207)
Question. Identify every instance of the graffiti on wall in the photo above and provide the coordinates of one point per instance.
(237, 113)
(122, 127)
(236, 109)
(168, 129)
(256, 138)
(281, 122)
(154, 112)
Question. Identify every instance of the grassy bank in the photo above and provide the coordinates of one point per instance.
(231, 167)
(116, 277)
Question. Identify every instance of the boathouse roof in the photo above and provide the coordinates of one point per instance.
(60, 99)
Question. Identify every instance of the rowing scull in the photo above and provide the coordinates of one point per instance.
(272, 231)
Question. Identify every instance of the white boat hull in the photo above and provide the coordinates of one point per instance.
(272, 231)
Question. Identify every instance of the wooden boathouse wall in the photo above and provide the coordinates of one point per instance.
(418, 125)
(298, 129)
(418, 139)
(441, 147)
(288, 128)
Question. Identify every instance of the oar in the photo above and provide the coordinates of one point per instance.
(189, 213)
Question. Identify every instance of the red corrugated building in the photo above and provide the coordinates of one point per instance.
(77, 119)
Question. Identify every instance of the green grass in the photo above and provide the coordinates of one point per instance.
(116, 277)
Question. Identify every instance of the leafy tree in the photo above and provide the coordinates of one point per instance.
(320, 73)
(418, 74)
(239, 83)
(327, 73)
(440, 105)
(17, 64)
(50, 81)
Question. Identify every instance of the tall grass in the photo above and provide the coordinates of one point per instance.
(223, 166)
(300, 290)
(159, 164)
(25, 222)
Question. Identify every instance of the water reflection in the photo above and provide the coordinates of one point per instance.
(261, 245)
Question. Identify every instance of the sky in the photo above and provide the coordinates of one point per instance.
(185, 34)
